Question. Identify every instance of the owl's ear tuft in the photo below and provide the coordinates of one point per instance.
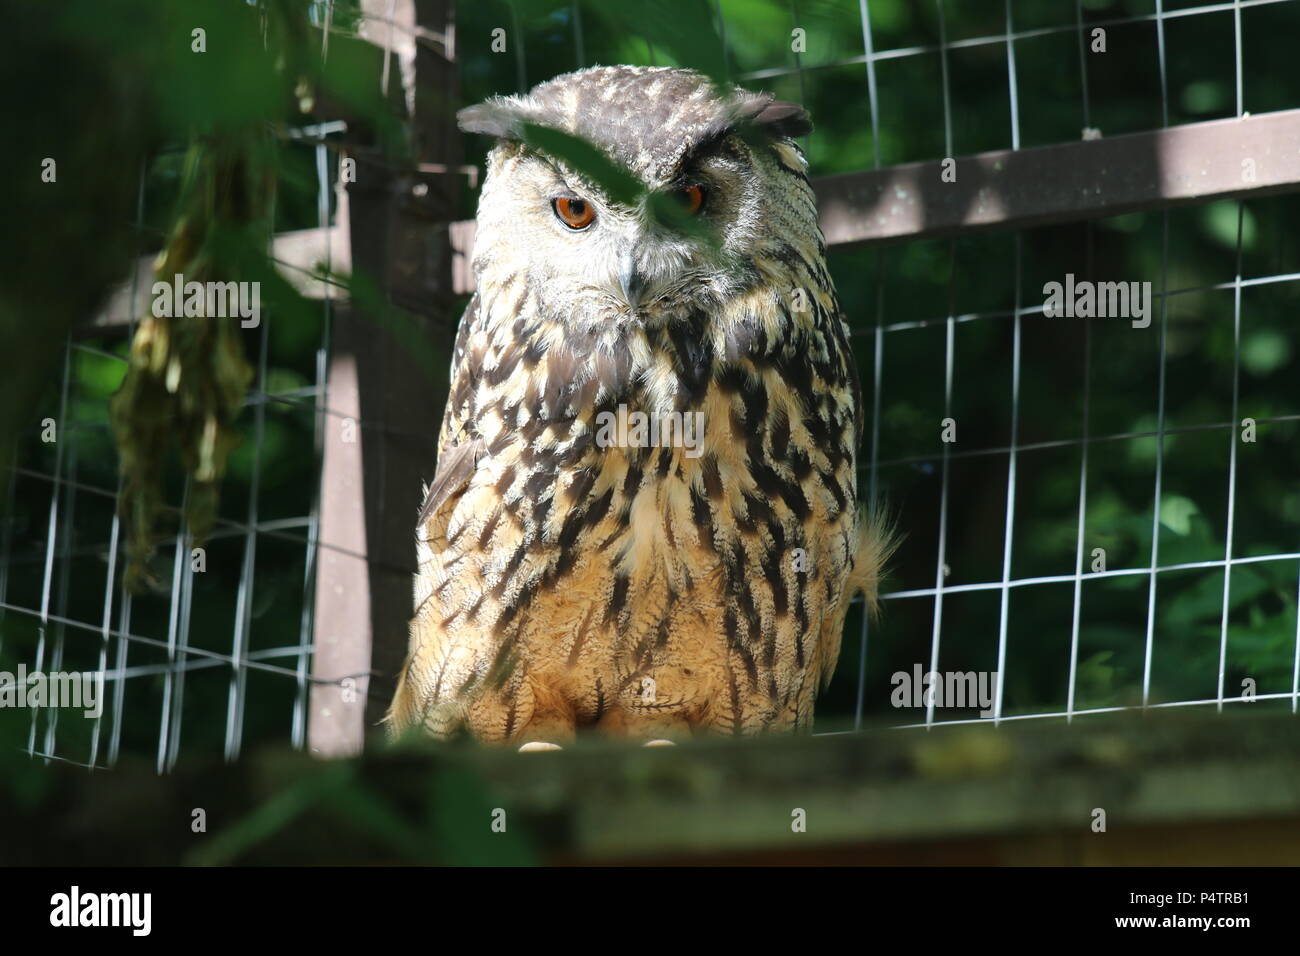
(775, 118)
(784, 119)
(497, 117)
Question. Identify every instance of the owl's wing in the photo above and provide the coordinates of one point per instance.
(459, 446)
(456, 466)
(460, 451)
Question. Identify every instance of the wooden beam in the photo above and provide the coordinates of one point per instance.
(1176, 787)
(1220, 159)
(296, 255)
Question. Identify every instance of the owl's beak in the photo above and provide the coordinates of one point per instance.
(630, 279)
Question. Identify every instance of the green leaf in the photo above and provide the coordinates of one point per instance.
(1176, 513)
(613, 179)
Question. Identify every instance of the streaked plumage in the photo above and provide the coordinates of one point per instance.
(640, 590)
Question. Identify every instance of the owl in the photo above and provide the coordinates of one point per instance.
(644, 518)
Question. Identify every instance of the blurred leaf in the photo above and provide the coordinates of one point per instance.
(1176, 513)
(1265, 351)
(1205, 96)
(1219, 220)
(613, 179)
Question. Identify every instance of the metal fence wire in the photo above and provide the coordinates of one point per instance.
(1103, 515)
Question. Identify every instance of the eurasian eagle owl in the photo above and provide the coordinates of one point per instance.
(645, 513)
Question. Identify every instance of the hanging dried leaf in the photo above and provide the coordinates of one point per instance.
(188, 376)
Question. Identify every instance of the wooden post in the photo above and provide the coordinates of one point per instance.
(391, 358)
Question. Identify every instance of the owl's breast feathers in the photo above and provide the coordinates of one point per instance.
(567, 581)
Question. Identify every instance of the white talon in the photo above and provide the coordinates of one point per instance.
(660, 742)
(535, 745)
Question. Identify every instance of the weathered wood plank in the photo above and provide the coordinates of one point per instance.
(1190, 788)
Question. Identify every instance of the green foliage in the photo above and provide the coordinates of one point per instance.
(615, 181)
(342, 796)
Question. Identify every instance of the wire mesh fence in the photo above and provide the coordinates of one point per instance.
(62, 600)
(1130, 664)
(1103, 514)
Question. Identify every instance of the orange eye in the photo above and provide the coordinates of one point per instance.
(574, 213)
(692, 199)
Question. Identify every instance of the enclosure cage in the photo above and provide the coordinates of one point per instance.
(1101, 512)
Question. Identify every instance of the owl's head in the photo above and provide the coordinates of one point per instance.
(712, 185)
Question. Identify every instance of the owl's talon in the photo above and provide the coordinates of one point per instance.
(534, 746)
(660, 742)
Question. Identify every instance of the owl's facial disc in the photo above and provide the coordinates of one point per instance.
(646, 258)
(679, 244)
(648, 263)
(635, 252)
(637, 196)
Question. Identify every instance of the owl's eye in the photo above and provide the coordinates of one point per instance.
(573, 212)
(691, 199)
